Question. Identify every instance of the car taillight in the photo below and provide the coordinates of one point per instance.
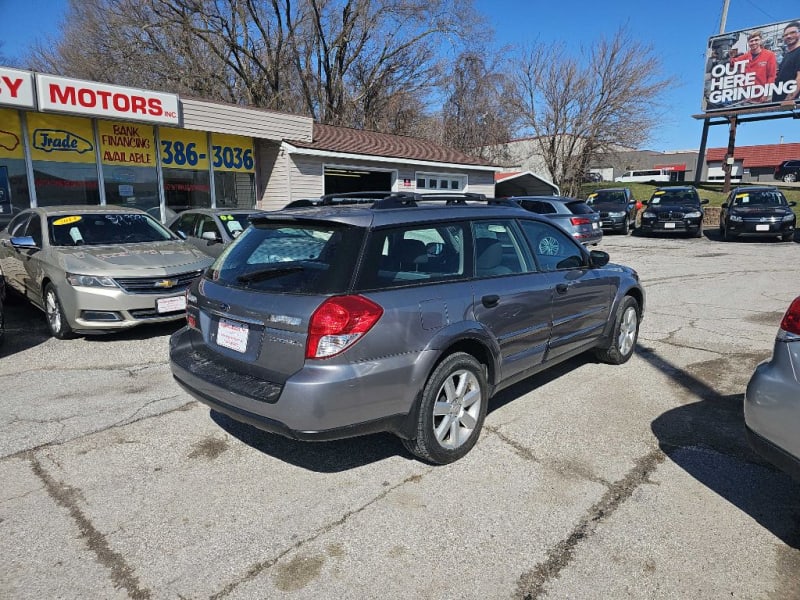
(338, 323)
(580, 220)
(791, 320)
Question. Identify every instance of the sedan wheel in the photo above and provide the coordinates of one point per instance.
(56, 323)
(452, 410)
(790, 177)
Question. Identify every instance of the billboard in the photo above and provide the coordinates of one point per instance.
(753, 68)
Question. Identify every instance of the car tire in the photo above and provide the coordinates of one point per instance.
(624, 334)
(626, 226)
(787, 237)
(699, 232)
(790, 177)
(452, 409)
(726, 235)
(56, 321)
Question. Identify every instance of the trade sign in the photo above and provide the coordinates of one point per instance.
(61, 94)
(61, 139)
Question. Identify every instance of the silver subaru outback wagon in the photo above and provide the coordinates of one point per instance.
(406, 315)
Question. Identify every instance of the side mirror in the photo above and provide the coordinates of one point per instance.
(598, 258)
(704, 201)
(24, 243)
(792, 203)
(724, 205)
(211, 236)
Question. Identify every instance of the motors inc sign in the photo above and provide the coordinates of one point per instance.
(60, 94)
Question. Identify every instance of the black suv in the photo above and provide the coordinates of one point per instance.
(757, 210)
(788, 171)
(405, 315)
(674, 209)
(617, 208)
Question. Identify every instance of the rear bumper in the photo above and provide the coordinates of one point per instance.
(775, 455)
(321, 401)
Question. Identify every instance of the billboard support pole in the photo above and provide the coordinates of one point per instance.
(728, 165)
(701, 154)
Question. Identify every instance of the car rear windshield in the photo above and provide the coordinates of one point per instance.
(291, 257)
(579, 208)
(100, 229)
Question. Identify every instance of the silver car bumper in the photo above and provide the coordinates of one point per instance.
(772, 408)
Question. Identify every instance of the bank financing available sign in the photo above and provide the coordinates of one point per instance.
(753, 68)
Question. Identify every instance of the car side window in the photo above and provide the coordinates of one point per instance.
(206, 224)
(185, 223)
(405, 256)
(499, 249)
(553, 249)
(34, 230)
(15, 227)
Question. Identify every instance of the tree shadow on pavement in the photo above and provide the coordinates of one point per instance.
(707, 440)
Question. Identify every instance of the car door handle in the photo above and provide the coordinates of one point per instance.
(562, 288)
(490, 300)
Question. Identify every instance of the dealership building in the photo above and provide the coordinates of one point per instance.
(67, 141)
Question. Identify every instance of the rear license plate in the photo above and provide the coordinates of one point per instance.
(762, 227)
(232, 335)
(669, 225)
(595, 226)
(172, 304)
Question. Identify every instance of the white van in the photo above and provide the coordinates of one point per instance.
(646, 175)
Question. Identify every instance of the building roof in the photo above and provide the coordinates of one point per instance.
(523, 183)
(345, 140)
(769, 155)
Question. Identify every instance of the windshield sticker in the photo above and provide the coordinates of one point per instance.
(658, 193)
(67, 220)
(226, 217)
(591, 196)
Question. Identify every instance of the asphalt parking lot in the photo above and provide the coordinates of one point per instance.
(589, 481)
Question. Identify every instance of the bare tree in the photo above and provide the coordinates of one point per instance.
(604, 98)
(362, 63)
(476, 113)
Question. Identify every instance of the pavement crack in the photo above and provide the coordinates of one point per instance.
(531, 585)
(66, 496)
(256, 569)
(518, 448)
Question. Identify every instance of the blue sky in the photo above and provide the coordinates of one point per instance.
(678, 30)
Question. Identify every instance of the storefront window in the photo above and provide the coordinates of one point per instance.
(127, 151)
(64, 163)
(14, 194)
(185, 164)
(233, 160)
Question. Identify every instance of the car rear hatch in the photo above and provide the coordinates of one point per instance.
(254, 305)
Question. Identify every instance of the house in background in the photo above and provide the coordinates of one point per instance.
(750, 163)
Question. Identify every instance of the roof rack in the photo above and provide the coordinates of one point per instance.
(388, 199)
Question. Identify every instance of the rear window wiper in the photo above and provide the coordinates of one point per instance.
(268, 273)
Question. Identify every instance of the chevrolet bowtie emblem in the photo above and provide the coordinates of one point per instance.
(166, 283)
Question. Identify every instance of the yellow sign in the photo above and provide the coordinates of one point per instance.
(10, 134)
(232, 153)
(61, 139)
(127, 144)
(183, 149)
(67, 220)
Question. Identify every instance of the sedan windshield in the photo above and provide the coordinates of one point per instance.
(99, 229)
(608, 198)
(675, 198)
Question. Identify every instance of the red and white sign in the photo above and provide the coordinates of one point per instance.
(90, 98)
(16, 88)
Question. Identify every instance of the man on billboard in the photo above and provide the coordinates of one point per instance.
(790, 63)
(760, 62)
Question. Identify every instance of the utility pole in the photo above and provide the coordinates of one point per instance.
(727, 165)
